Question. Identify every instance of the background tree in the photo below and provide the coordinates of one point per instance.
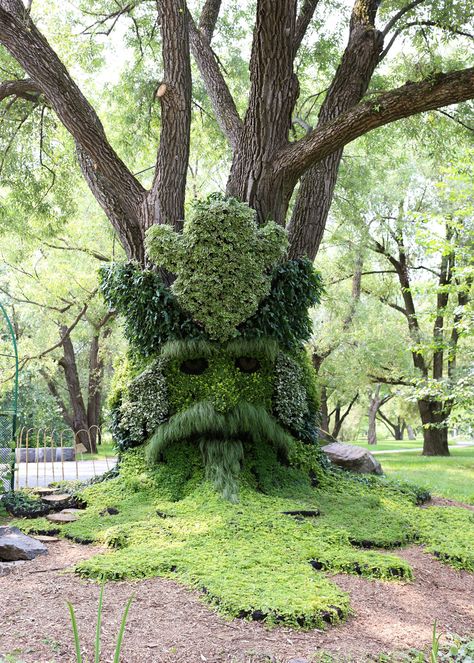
(415, 263)
(63, 328)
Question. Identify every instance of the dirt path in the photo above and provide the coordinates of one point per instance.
(168, 623)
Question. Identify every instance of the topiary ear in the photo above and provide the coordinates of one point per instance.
(272, 244)
(164, 246)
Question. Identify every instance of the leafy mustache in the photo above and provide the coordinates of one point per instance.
(202, 421)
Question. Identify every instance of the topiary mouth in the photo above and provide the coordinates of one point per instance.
(220, 437)
(202, 420)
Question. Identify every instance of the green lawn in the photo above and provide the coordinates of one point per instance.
(106, 449)
(386, 444)
(451, 477)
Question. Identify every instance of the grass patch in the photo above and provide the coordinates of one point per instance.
(447, 476)
(104, 450)
(387, 444)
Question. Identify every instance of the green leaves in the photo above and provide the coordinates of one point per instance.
(222, 261)
(283, 314)
(151, 311)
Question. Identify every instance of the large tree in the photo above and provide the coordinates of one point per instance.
(285, 175)
(266, 165)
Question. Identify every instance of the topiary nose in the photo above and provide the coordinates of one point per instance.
(224, 393)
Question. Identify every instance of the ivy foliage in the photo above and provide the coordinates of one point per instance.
(222, 260)
(261, 560)
(150, 310)
(24, 504)
(222, 383)
(283, 315)
(241, 389)
(144, 404)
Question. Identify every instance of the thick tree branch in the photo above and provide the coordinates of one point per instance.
(24, 89)
(105, 171)
(273, 93)
(219, 95)
(304, 19)
(349, 85)
(166, 198)
(410, 99)
(208, 18)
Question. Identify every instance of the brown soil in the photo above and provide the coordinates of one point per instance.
(443, 501)
(169, 623)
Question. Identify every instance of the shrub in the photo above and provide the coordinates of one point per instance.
(151, 311)
(23, 504)
(283, 314)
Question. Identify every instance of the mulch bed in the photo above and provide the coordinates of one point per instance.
(169, 623)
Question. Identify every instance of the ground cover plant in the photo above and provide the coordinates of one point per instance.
(262, 558)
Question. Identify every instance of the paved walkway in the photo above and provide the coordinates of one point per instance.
(42, 474)
(460, 445)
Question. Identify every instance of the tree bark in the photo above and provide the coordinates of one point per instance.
(308, 221)
(374, 405)
(341, 417)
(410, 432)
(166, 199)
(435, 430)
(80, 424)
(273, 93)
(324, 412)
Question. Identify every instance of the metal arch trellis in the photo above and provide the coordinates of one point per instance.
(8, 416)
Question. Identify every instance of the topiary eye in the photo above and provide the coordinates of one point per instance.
(194, 366)
(247, 364)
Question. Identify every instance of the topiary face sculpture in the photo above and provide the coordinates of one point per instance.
(237, 378)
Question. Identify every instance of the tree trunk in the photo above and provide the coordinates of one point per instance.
(398, 429)
(410, 432)
(374, 411)
(435, 430)
(80, 423)
(94, 398)
(374, 405)
(324, 411)
(337, 421)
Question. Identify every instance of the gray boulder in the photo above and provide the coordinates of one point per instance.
(352, 458)
(14, 545)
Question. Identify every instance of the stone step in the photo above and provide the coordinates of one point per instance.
(45, 490)
(57, 498)
(45, 539)
(62, 517)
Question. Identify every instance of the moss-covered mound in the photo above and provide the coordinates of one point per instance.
(270, 556)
